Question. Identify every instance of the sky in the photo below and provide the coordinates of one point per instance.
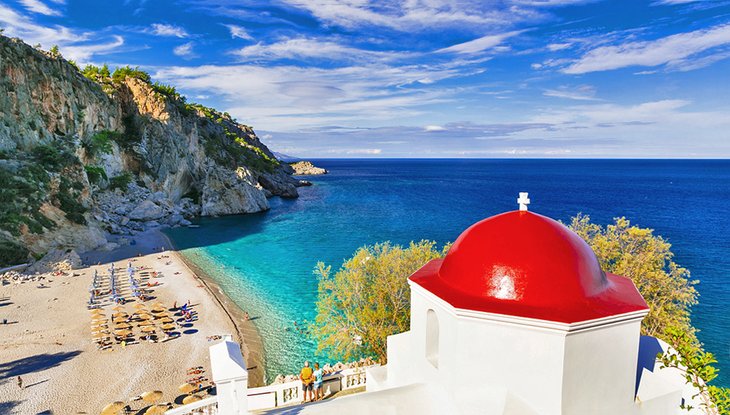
(424, 78)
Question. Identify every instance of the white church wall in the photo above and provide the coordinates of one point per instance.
(599, 373)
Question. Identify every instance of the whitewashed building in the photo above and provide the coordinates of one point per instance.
(519, 319)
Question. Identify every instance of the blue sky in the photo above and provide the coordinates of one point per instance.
(425, 78)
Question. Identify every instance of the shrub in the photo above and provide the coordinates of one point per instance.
(95, 174)
(120, 74)
(54, 52)
(169, 91)
(100, 143)
(12, 253)
(120, 182)
(96, 73)
(51, 158)
(67, 198)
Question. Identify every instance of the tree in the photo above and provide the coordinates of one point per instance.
(368, 299)
(54, 52)
(697, 365)
(646, 258)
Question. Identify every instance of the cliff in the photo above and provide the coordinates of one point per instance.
(86, 155)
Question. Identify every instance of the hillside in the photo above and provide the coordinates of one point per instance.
(89, 153)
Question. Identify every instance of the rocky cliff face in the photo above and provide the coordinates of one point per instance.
(81, 158)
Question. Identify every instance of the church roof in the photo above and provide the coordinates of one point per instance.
(523, 264)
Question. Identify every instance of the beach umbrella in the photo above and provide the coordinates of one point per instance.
(144, 316)
(139, 306)
(148, 329)
(168, 327)
(156, 410)
(97, 311)
(120, 314)
(166, 320)
(158, 304)
(122, 326)
(122, 333)
(145, 323)
(113, 408)
(191, 398)
(151, 396)
(187, 388)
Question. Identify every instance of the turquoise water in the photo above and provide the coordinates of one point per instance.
(265, 261)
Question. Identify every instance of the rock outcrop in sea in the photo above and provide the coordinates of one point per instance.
(89, 153)
(306, 168)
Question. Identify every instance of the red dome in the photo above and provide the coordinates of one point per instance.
(524, 264)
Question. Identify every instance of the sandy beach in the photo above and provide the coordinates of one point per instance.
(48, 339)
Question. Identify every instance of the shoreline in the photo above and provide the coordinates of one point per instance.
(247, 333)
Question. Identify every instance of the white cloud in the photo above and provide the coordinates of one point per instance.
(415, 14)
(433, 128)
(238, 32)
(672, 50)
(83, 53)
(185, 50)
(554, 47)
(79, 46)
(37, 6)
(481, 44)
(302, 48)
(161, 29)
(581, 93)
(290, 97)
(670, 2)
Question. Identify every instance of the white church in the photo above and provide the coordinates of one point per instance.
(517, 319)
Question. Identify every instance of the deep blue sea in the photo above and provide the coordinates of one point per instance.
(265, 261)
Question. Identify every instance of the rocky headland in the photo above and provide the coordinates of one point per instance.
(90, 155)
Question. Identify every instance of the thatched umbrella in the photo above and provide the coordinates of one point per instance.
(166, 320)
(148, 329)
(151, 396)
(113, 408)
(145, 323)
(187, 387)
(191, 398)
(139, 306)
(122, 326)
(122, 333)
(144, 316)
(168, 327)
(156, 410)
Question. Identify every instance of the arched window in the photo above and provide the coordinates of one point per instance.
(432, 338)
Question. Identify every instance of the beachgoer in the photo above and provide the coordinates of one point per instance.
(20, 382)
(306, 377)
(318, 374)
(245, 315)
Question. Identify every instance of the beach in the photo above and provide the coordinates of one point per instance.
(48, 340)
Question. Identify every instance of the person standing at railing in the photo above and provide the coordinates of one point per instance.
(318, 374)
(306, 377)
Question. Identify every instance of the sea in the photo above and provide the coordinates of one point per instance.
(265, 261)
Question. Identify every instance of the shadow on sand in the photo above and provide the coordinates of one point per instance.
(33, 364)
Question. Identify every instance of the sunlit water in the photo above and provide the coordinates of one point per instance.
(265, 261)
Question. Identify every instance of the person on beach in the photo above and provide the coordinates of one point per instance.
(20, 382)
(306, 377)
(318, 374)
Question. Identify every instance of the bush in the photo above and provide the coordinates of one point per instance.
(96, 73)
(67, 198)
(95, 174)
(51, 158)
(12, 253)
(100, 143)
(120, 74)
(54, 52)
(120, 182)
(169, 91)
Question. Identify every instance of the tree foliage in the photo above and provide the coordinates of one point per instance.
(697, 366)
(647, 259)
(368, 299)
